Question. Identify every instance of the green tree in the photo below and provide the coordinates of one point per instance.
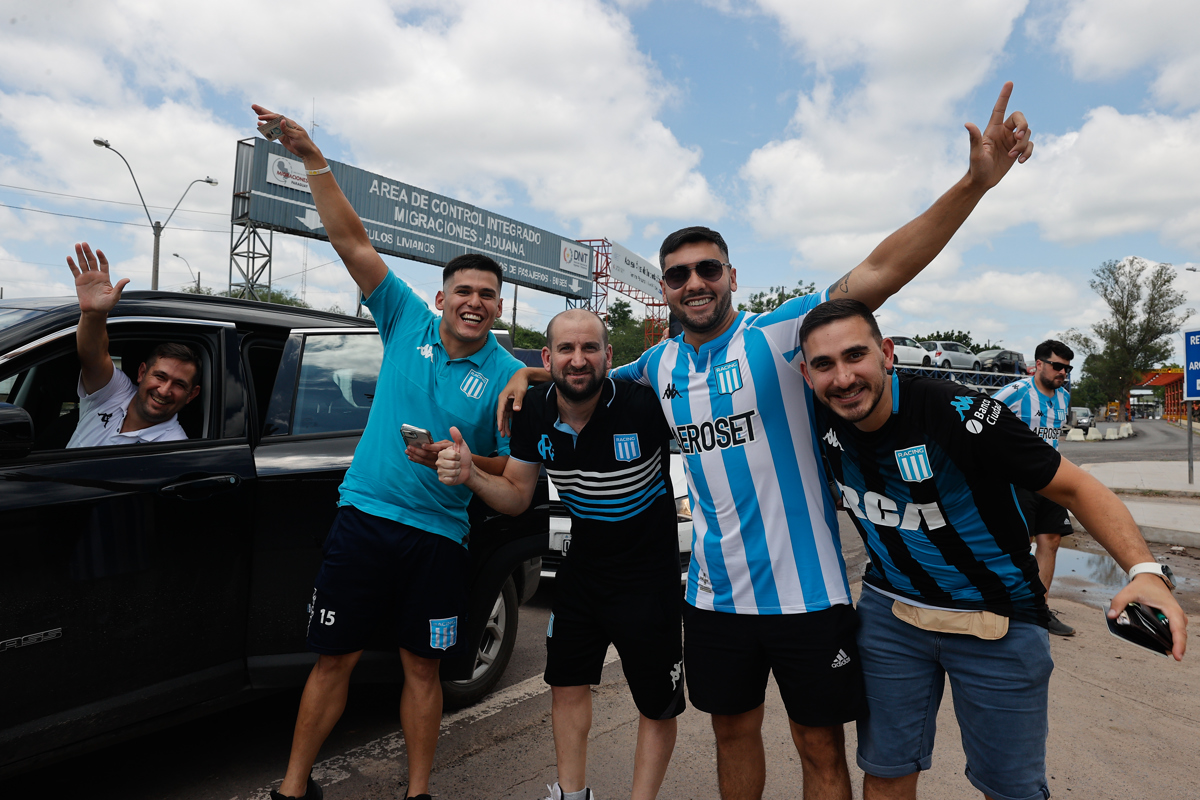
(524, 337)
(962, 337)
(776, 296)
(626, 334)
(1144, 312)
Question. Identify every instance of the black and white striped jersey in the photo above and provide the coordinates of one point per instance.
(614, 476)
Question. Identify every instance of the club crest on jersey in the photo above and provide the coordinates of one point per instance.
(474, 385)
(914, 464)
(626, 446)
(728, 377)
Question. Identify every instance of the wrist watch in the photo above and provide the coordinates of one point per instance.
(1161, 570)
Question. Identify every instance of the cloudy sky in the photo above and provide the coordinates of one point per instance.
(804, 131)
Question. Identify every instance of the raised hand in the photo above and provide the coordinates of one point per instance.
(426, 454)
(294, 137)
(1001, 144)
(92, 284)
(454, 463)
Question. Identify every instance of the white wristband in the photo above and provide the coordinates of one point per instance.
(320, 171)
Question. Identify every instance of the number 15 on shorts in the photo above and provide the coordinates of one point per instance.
(326, 617)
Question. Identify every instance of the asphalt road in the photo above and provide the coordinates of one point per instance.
(1155, 440)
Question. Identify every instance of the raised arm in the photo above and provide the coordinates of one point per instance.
(342, 225)
(97, 297)
(1109, 522)
(902, 255)
(513, 394)
(509, 493)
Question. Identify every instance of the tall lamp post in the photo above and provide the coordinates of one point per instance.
(157, 226)
(195, 275)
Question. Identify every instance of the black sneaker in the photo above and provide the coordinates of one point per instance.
(311, 792)
(1058, 627)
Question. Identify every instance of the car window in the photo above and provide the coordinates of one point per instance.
(903, 341)
(338, 373)
(929, 345)
(44, 384)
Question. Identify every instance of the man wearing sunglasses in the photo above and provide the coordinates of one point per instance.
(1042, 402)
(767, 589)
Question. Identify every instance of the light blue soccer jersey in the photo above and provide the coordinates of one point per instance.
(420, 386)
(1045, 416)
(764, 535)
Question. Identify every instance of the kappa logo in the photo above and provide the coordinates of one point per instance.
(426, 351)
(545, 448)
(728, 377)
(443, 633)
(962, 405)
(676, 674)
(670, 393)
(625, 446)
(474, 384)
(831, 439)
(840, 660)
(703, 583)
(104, 416)
(550, 627)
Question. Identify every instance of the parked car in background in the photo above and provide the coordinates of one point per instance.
(951, 355)
(910, 352)
(560, 522)
(1081, 418)
(1003, 361)
(142, 584)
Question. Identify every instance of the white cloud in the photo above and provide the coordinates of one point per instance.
(864, 161)
(1106, 39)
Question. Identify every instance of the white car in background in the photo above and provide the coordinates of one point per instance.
(560, 522)
(951, 355)
(910, 352)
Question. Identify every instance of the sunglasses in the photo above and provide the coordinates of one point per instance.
(709, 270)
(1059, 366)
(1143, 626)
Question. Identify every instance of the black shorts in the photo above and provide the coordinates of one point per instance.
(374, 565)
(1042, 514)
(644, 626)
(814, 657)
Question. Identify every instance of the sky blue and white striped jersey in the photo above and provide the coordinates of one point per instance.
(1045, 416)
(764, 538)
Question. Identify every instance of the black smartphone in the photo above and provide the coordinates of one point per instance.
(1144, 627)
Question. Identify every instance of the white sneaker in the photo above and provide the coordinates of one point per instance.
(556, 793)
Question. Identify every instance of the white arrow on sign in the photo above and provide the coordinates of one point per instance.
(311, 220)
(575, 287)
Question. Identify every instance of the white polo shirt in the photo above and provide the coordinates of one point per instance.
(102, 413)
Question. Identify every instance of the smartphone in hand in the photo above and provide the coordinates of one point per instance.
(414, 435)
(1144, 627)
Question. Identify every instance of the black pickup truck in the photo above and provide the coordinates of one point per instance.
(142, 584)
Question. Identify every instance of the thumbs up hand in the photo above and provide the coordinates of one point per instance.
(454, 463)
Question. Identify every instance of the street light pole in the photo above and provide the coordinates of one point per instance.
(157, 227)
(195, 275)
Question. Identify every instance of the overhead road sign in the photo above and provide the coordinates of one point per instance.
(634, 271)
(407, 221)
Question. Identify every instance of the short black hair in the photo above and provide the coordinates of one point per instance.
(833, 310)
(1043, 351)
(550, 326)
(179, 352)
(473, 261)
(696, 233)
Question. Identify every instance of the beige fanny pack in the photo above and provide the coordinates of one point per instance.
(981, 624)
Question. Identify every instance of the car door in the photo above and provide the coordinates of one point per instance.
(125, 568)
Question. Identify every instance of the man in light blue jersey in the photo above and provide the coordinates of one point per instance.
(1042, 402)
(397, 540)
(767, 589)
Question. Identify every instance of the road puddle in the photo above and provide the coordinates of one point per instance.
(1091, 572)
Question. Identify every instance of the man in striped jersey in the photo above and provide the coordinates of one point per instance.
(604, 443)
(926, 468)
(767, 589)
(1042, 402)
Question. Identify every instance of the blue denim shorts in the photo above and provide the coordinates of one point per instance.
(1000, 698)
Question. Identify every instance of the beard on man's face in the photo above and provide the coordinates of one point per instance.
(577, 392)
(857, 411)
(710, 317)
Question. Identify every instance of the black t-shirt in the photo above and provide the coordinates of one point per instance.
(931, 493)
(614, 478)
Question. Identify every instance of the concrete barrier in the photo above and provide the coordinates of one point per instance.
(1075, 435)
(1094, 435)
(1126, 430)
(1111, 433)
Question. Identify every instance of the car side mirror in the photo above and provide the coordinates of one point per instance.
(16, 431)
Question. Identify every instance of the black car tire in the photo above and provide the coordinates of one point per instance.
(995, 368)
(946, 364)
(976, 366)
(925, 362)
(495, 649)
